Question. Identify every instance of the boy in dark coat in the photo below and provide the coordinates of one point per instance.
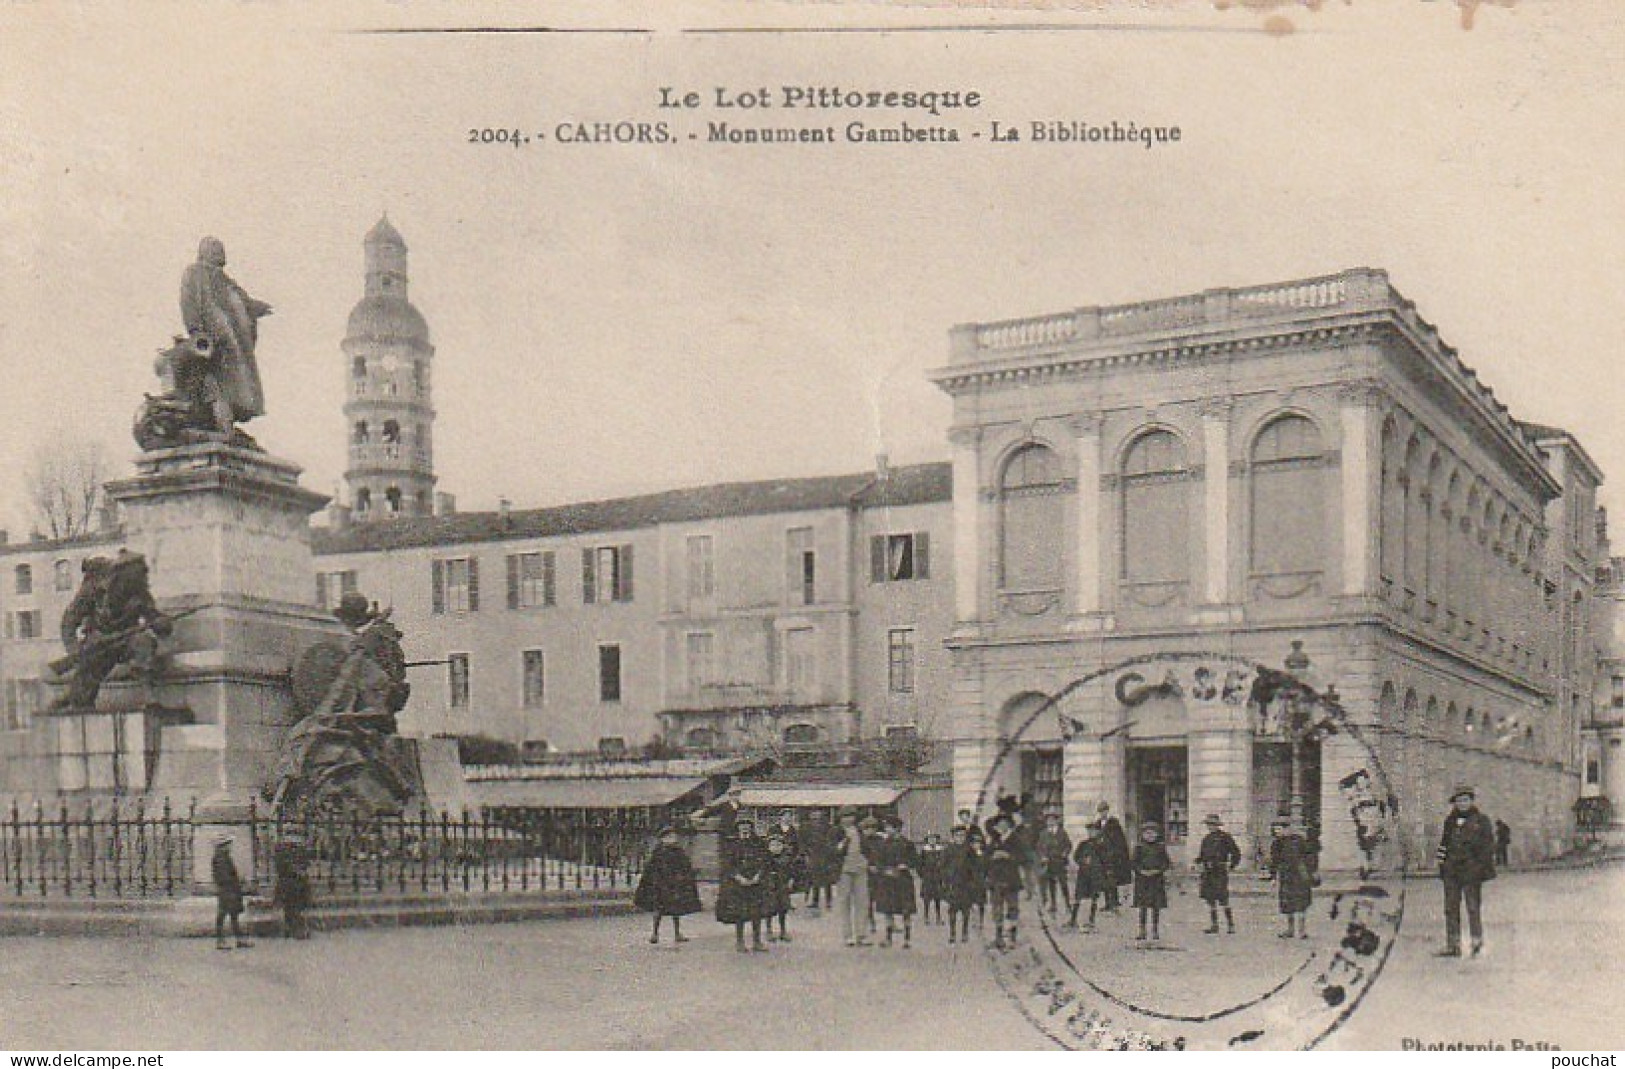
(931, 877)
(1290, 866)
(1217, 858)
(667, 887)
(1466, 858)
(228, 894)
(781, 877)
(1151, 864)
(1054, 854)
(962, 882)
(1093, 879)
(1004, 879)
(742, 891)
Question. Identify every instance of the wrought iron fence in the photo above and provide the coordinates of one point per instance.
(126, 851)
(437, 853)
(121, 849)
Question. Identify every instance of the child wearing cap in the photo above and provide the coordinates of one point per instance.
(1151, 864)
(741, 896)
(1093, 878)
(228, 894)
(962, 882)
(894, 887)
(1217, 858)
(933, 891)
(667, 887)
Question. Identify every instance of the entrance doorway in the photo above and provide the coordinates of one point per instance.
(1272, 789)
(1159, 792)
(1041, 779)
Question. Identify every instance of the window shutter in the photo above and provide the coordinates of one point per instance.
(513, 580)
(437, 595)
(589, 588)
(473, 584)
(922, 555)
(623, 580)
(321, 590)
(877, 558)
(548, 579)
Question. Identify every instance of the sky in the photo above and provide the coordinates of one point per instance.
(614, 318)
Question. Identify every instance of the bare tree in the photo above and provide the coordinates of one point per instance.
(63, 481)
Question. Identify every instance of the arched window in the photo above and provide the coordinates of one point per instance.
(1288, 511)
(801, 734)
(1391, 544)
(362, 433)
(358, 367)
(363, 500)
(392, 431)
(700, 739)
(1032, 510)
(1155, 528)
(392, 499)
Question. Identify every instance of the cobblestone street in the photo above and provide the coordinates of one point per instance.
(599, 984)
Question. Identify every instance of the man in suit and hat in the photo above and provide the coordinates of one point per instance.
(1466, 857)
(1114, 855)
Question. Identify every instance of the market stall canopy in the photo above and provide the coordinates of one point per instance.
(631, 792)
(796, 795)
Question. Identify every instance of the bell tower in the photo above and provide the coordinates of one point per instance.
(388, 408)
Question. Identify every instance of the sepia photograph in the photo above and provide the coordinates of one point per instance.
(956, 526)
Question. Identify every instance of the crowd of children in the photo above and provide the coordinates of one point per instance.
(987, 868)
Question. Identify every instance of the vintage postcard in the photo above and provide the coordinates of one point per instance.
(843, 525)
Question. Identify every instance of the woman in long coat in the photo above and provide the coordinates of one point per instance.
(742, 894)
(894, 895)
(1294, 882)
(667, 887)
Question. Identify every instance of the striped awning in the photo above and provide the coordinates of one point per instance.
(803, 795)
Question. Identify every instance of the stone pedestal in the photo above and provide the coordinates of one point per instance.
(226, 535)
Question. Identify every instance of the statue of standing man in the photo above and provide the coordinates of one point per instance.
(216, 308)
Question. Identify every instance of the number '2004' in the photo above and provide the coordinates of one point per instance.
(490, 135)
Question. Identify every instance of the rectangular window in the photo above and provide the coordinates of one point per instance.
(24, 698)
(25, 579)
(332, 586)
(532, 580)
(800, 667)
(457, 680)
(801, 566)
(1593, 771)
(701, 659)
(535, 682)
(895, 558)
(702, 580)
(63, 570)
(1617, 699)
(900, 660)
(606, 574)
(28, 623)
(609, 673)
(455, 585)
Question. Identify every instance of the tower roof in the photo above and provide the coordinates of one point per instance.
(382, 316)
(382, 232)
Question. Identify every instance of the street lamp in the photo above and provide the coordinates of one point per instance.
(1297, 724)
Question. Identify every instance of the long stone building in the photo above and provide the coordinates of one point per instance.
(1145, 503)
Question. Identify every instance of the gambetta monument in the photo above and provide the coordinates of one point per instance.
(197, 652)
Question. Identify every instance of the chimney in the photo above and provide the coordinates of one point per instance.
(5, 537)
(504, 512)
(882, 467)
(445, 504)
